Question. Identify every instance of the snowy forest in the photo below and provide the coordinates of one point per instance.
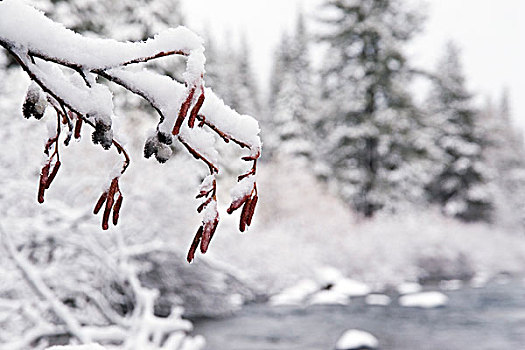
(380, 184)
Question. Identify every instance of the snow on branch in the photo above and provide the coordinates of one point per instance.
(64, 68)
(140, 329)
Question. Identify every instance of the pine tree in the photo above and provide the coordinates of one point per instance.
(461, 186)
(292, 97)
(373, 137)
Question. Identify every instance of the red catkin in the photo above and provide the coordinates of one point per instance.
(109, 203)
(209, 230)
(251, 210)
(44, 176)
(53, 174)
(194, 245)
(244, 214)
(116, 209)
(183, 112)
(238, 203)
(100, 202)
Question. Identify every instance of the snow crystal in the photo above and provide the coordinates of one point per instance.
(354, 339)
(425, 300)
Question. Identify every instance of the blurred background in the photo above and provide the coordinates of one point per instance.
(392, 183)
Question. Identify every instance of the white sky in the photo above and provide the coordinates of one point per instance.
(490, 32)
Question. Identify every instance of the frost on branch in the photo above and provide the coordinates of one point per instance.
(64, 68)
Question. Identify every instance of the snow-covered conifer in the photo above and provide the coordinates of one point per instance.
(371, 129)
(461, 186)
(292, 98)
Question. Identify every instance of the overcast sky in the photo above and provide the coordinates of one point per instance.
(490, 32)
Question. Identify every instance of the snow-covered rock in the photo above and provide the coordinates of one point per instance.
(378, 300)
(354, 339)
(295, 295)
(409, 288)
(451, 284)
(78, 347)
(204, 289)
(351, 288)
(329, 297)
(426, 300)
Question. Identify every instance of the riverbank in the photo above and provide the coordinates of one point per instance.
(486, 318)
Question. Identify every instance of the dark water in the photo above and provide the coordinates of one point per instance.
(475, 319)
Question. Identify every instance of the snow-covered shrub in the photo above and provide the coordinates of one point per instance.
(304, 232)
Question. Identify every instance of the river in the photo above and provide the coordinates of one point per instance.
(492, 318)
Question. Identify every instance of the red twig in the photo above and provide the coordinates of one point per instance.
(224, 136)
(197, 155)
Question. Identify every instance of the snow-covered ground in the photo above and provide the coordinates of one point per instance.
(78, 347)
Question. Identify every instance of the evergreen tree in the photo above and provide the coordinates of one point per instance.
(373, 134)
(292, 98)
(122, 20)
(461, 185)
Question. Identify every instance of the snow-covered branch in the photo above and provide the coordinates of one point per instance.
(43, 291)
(137, 329)
(64, 68)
